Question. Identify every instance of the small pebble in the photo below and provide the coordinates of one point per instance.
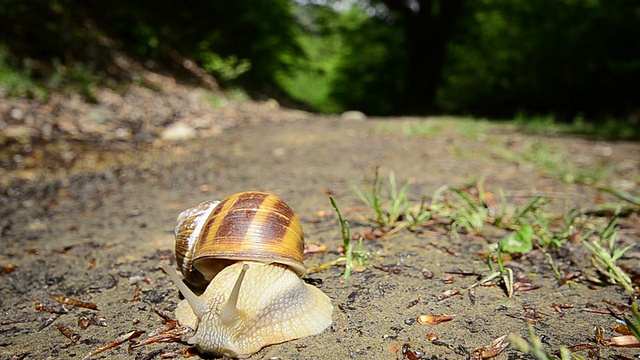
(178, 132)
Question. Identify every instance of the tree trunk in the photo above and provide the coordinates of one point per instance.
(426, 33)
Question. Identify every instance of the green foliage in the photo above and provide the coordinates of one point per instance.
(634, 327)
(469, 212)
(17, 82)
(397, 212)
(225, 69)
(352, 61)
(608, 128)
(555, 239)
(370, 73)
(561, 57)
(534, 347)
(372, 197)
(247, 41)
(549, 61)
(351, 255)
(76, 78)
(530, 227)
(309, 79)
(425, 211)
(505, 273)
(524, 215)
(237, 94)
(422, 128)
(634, 199)
(606, 254)
(520, 241)
(556, 163)
(390, 213)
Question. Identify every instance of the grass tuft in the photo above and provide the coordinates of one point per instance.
(351, 255)
(605, 256)
(534, 347)
(391, 212)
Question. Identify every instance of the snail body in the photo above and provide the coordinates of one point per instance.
(247, 250)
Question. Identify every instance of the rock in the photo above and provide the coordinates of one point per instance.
(89, 125)
(101, 115)
(67, 125)
(178, 132)
(272, 104)
(353, 115)
(16, 114)
(22, 134)
(122, 134)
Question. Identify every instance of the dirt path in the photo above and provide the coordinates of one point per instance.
(99, 237)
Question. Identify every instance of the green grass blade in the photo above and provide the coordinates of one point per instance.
(621, 194)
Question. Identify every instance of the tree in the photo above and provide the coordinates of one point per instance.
(67, 32)
(564, 58)
(428, 25)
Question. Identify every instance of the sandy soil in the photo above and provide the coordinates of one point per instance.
(98, 230)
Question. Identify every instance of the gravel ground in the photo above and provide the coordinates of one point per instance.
(90, 193)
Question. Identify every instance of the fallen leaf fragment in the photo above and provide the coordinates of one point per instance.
(492, 350)
(462, 272)
(322, 213)
(521, 286)
(599, 311)
(60, 310)
(622, 308)
(578, 348)
(74, 302)
(626, 341)
(186, 353)
(8, 269)
(568, 277)
(407, 353)
(432, 336)
(314, 248)
(49, 321)
(84, 322)
(434, 319)
(413, 303)
(173, 335)
(448, 279)
(152, 355)
(447, 294)
(68, 333)
(124, 338)
(622, 329)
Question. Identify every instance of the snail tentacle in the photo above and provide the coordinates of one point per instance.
(198, 305)
(229, 312)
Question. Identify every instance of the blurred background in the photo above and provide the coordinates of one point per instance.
(560, 61)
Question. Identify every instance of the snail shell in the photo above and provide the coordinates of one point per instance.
(249, 249)
(245, 226)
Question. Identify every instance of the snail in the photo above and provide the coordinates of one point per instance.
(247, 250)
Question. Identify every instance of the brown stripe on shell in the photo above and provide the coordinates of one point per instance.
(240, 217)
(273, 227)
(253, 226)
(215, 221)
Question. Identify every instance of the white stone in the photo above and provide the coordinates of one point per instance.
(178, 132)
(353, 115)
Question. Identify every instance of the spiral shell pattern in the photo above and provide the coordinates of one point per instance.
(245, 226)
